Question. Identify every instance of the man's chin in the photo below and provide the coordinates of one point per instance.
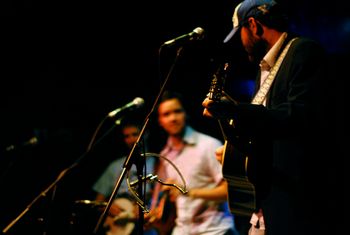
(254, 59)
(176, 131)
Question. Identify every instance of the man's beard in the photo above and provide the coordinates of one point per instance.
(257, 49)
(258, 52)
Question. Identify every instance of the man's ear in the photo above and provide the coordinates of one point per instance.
(254, 23)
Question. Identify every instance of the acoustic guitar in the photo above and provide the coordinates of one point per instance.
(235, 164)
(162, 217)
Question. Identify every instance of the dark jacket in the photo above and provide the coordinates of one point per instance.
(290, 146)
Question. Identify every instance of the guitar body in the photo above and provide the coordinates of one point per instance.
(241, 191)
(235, 164)
(125, 221)
(162, 218)
(121, 219)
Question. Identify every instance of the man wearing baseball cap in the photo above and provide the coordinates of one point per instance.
(287, 157)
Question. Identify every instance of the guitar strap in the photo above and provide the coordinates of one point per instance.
(264, 88)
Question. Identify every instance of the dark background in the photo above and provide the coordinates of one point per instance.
(65, 65)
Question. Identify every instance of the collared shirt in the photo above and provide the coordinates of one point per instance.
(197, 164)
(271, 56)
(270, 59)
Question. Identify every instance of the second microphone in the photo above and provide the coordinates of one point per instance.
(136, 103)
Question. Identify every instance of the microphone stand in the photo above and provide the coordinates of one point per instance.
(53, 185)
(131, 157)
(126, 167)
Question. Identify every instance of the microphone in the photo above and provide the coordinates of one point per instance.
(136, 103)
(196, 34)
(147, 177)
(30, 142)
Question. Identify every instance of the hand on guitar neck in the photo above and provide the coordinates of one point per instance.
(219, 105)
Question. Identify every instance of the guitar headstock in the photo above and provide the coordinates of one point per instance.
(217, 83)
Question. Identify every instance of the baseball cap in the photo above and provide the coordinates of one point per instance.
(246, 9)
